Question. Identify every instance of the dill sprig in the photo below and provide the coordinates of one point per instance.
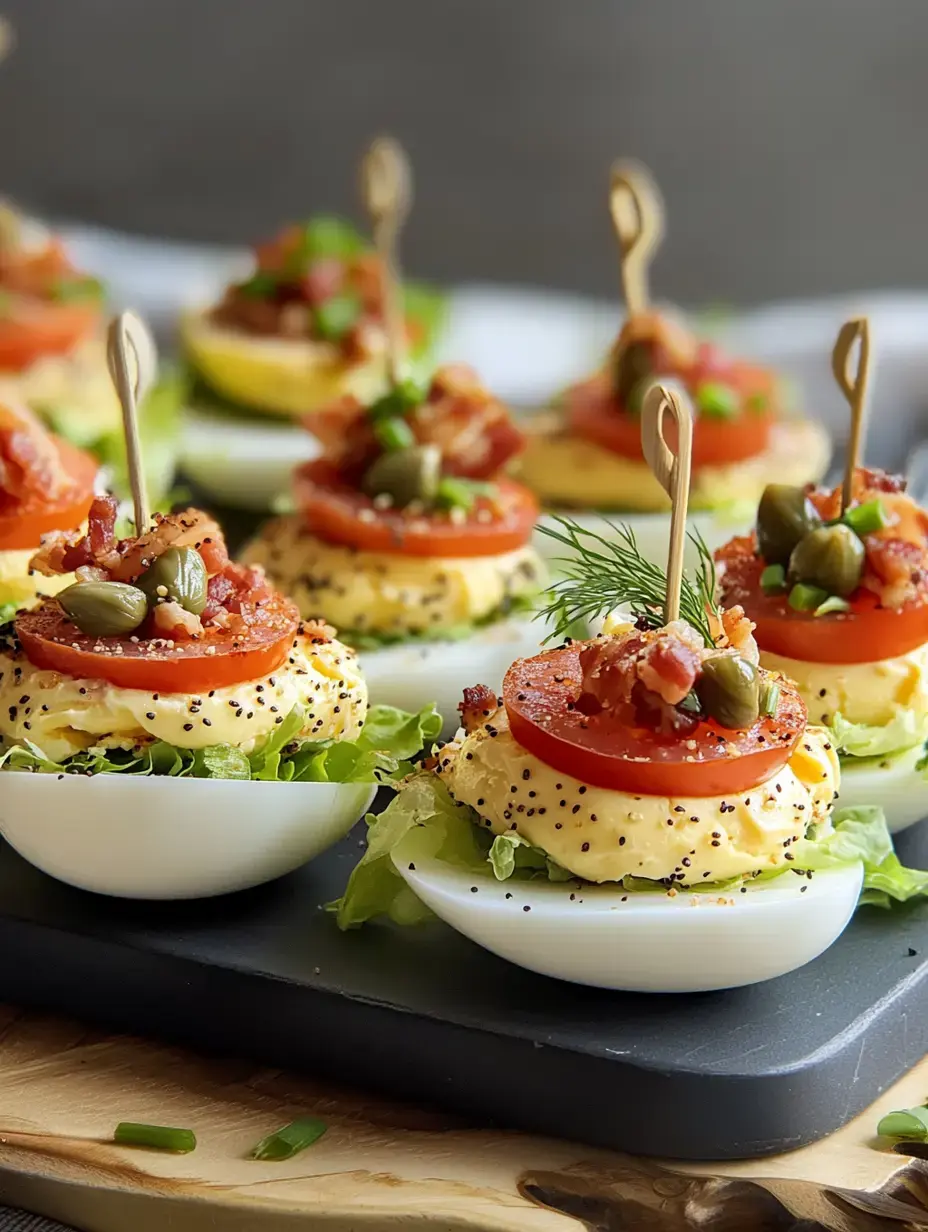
(603, 574)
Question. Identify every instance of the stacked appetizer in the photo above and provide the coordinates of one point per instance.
(586, 456)
(45, 485)
(53, 356)
(575, 822)
(408, 534)
(302, 330)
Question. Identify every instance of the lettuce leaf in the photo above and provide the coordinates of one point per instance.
(514, 605)
(7, 612)
(381, 754)
(906, 729)
(861, 834)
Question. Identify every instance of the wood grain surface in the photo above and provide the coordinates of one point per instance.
(63, 1088)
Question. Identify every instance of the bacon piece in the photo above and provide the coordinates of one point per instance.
(669, 668)
(479, 704)
(30, 464)
(609, 672)
(192, 528)
(172, 620)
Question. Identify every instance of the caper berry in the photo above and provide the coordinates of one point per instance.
(831, 557)
(406, 475)
(631, 365)
(728, 690)
(177, 576)
(104, 609)
(784, 515)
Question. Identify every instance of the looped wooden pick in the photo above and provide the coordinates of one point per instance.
(672, 472)
(132, 361)
(637, 211)
(854, 388)
(386, 186)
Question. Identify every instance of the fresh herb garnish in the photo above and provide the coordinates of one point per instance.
(603, 574)
(155, 1137)
(288, 1141)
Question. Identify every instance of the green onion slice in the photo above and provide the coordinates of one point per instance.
(155, 1137)
(394, 434)
(717, 401)
(337, 316)
(834, 603)
(866, 518)
(773, 580)
(769, 699)
(454, 494)
(261, 285)
(803, 598)
(290, 1140)
(402, 398)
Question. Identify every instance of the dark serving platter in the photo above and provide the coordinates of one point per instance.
(425, 1014)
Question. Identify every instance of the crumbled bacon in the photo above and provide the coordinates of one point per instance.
(30, 464)
(173, 621)
(478, 705)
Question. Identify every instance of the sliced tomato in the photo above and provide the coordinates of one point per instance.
(865, 634)
(340, 514)
(599, 749)
(594, 413)
(34, 327)
(24, 525)
(213, 661)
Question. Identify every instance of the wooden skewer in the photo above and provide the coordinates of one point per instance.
(7, 37)
(131, 359)
(854, 389)
(672, 472)
(386, 186)
(638, 218)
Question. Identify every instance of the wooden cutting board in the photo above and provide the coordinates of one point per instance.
(63, 1088)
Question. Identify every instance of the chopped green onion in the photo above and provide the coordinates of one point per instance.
(394, 434)
(717, 401)
(455, 494)
(326, 236)
(157, 1137)
(261, 285)
(337, 315)
(866, 518)
(73, 290)
(290, 1140)
(911, 1125)
(403, 397)
(757, 402)
(834, 603)
(803, 598)
(769, 699)
(773, 580)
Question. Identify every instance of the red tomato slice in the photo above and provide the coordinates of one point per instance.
(36, 327)
(340, 514)
(217, 659)
(24, 525)
(594, 413)
(865, 634)
(604, 752)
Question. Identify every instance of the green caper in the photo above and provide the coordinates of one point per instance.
(728, 690)
(177, 576)
(831, 557)
(405, 475)
(784, 515)
(630, 366)
(104, 609)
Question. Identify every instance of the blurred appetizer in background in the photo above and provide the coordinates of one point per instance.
(836, 583)
(574, 822)
(46, 485)
(408, 533)
(587, 454)
(53, 356)
(303, 330)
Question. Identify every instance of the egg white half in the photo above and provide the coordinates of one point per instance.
(893, 783)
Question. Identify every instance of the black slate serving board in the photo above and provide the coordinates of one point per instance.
(423, 1013)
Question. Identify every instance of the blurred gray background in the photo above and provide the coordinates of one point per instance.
(789, 137)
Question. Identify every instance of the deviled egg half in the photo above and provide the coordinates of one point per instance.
(302, 330)
(412, 541)
(646, 810)
(53, 357)
(45, 485)
(840, 604)
(164, 663)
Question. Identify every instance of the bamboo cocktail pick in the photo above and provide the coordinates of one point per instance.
(386, 186)
(638, 218)
(131, 359)
(7, 37)
(672, 472)
(855, 390)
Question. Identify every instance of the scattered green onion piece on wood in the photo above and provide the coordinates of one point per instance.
(394, 434)
(455, 494)
(155, 1137)
(866, 518)
(773, 580)
(336, 316)
(717, 401)
(769, 699)
(911, 1125)
(834, 603)
(803, 598)
(290, 1140)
